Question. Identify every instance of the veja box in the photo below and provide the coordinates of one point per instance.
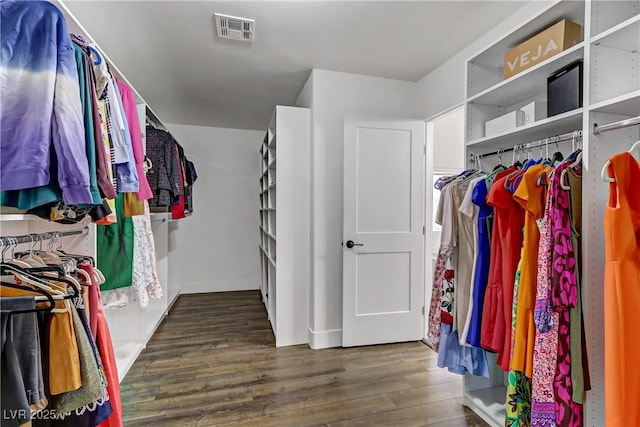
(534, 111)
(560, 36)
(504, 123)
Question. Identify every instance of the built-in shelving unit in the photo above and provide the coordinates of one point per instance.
(611, 89)
(284, 224)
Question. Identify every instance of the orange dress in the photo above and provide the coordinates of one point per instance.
(622, 294)
(531, 197)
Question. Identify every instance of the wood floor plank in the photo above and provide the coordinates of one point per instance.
(421, 415)
(213, 362)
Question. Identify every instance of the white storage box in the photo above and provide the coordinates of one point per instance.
(504, 123)
(534, 111)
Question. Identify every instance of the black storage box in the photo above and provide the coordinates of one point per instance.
(564, 89)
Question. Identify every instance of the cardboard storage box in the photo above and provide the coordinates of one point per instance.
(534, 111)
(504, 123)
(544, 45)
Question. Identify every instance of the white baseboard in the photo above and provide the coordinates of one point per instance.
(325, 339)
(219, 286)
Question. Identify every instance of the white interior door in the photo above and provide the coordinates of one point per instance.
(383, 247)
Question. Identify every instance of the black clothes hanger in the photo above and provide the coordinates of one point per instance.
(48, 296)
(10, 269)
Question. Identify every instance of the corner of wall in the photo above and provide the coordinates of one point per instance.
(325, 339)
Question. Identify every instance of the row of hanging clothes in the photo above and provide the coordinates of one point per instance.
(71, 146)
(76, 147)
(172, 175)
(58, 364)
(506, 280)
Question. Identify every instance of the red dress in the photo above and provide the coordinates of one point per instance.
(493, 308)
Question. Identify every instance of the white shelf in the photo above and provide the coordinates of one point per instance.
(271, 236)
(572, 10)
(172, 297)
(19, 217)
(488, 403)
(528, 83)
(627, 105)
(286, 295)
(271, 260)
(562, 123)
(126, 354)
(624, 36)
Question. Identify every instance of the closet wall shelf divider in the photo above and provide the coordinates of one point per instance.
(488, 403)
(127, 353)
(266, 254)
(268, 234)
(285, 285)
(550, 126)
(622, 36)
(627, 104)
(172, 298)
(528, 83)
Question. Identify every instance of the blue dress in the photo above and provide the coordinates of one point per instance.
(481, 276)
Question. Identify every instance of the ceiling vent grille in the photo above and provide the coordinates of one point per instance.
(234, 28)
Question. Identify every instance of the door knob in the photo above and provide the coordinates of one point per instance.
(351, 244)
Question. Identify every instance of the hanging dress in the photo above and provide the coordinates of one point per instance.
(546, 342)
(622, 294)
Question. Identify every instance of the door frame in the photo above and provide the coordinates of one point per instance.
(429, 171)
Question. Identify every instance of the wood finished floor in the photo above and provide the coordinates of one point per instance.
(213, 362)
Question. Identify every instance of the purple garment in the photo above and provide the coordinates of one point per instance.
(40, 100)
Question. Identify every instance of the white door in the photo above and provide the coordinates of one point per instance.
(383, 247)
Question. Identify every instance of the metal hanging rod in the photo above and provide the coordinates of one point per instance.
(616, 125)
(36, 237)
(533, 144)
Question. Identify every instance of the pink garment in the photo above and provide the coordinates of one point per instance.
(563, 296)
(107, 354)
(545, 351)
(93, 301)
(435, 311)
(131, 111)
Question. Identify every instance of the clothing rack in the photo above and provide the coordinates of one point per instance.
(36, 237)
(616, 125)
(533, 144)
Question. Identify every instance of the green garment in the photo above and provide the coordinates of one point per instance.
(87, 113)
(115, 250)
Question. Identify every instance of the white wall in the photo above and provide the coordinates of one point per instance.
(443, 88)
(305, 99)
(448, 141)
(334, 96)
(219, 242)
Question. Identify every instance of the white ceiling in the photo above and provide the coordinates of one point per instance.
(170, 53)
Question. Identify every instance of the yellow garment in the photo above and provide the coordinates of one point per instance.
(64, 358)
(132, 206)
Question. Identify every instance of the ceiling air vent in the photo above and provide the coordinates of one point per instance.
(234, 28)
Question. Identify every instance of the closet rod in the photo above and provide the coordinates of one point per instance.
(36, 237)
(616, 125)
(533, 144)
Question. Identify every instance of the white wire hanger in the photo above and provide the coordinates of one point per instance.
(603, 174)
